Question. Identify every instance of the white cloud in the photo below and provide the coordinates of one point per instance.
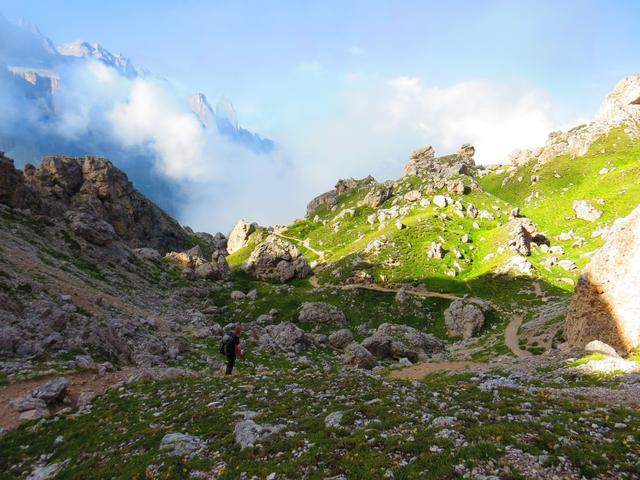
(355, 50)
(147, 117)
(375, 130)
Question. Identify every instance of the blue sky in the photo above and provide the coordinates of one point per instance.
(350, 88)
(251, 50)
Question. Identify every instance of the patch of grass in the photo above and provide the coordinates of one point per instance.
(586, 359)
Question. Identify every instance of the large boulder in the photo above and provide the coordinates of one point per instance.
(586, 211)
(520, 241)
(340, 339)
(286, 336)
(90, 228)
(328, 199)
(395, 341)
(239, 236)
(465, 317)
(321, 313)
(277, 259)
(182, 445)
(377, 196)
(53, 391)
(356, 356)
(384, 347)
(192, 258)
(217, 269)
(248, 433)
(606, 305)
(524, 235)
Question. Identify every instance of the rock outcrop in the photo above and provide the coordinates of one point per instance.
(340, 339)
(96, 188)
(623, 103)
(425, 162)
(586, 211)
(328, 199)
(357, 356)
(606, 305)
(95, 197)
(395, 341)
(620, 108)
(239, 236)
(13, 189)
(284, 336)
(465, 317)
(377, 196)
(320, 313)
(277, 259)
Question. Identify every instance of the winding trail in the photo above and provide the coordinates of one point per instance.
(510, 334)
(308, 247)
(313, 280)
(419, 370)
(511, 337)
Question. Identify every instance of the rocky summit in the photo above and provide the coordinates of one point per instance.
(461, 321)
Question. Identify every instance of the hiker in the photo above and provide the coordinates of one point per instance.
(230, 347)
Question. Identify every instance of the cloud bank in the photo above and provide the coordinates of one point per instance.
(377, 127)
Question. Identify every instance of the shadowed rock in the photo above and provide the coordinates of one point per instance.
(606, 305)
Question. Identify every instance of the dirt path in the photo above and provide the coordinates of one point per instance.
(511, 337)
(510, 334)
(313, 280)
(308, 247)
(78, 382)
(420, 370)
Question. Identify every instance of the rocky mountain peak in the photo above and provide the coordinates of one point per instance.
(202, 109)
(226, 113)
(82, 49)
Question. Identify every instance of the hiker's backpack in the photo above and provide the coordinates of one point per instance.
(223, 345)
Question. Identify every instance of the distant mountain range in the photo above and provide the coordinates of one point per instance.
(32, 74)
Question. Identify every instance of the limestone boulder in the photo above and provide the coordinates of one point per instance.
(340, 339)
(328, 199)
(239, 236)
(586, 211)
(465, 317)
(606, 305)
(53, 391)
(395, 341)
(90, 228)
(277, 259)
(321, 313)
(288, 337)
(356, 356)
(377, 196)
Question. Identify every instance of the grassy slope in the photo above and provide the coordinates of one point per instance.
(579, 179)
(404, 257)
(120, 436)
